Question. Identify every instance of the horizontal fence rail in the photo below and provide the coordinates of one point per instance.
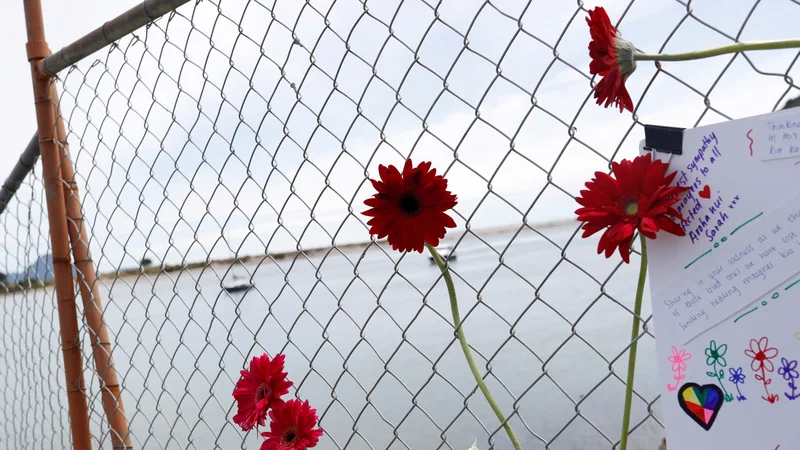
(20, 172)
(227, 142)
(111, 31)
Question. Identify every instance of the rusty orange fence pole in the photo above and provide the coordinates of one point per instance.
(92, 305)
(59, 239)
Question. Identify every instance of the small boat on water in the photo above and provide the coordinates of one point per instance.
(447, 253)
(238, 284)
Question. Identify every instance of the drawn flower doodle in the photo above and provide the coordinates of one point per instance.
(762, 354)
(737, 378)
(678, 360)
(716, 357)
(788, 370)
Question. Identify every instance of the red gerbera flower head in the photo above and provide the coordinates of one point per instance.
(291, 427)
(410, 207)
(639, 198)
(612, 58)
(260, 389)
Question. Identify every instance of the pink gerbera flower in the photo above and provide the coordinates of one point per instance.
(260, 389)
(291, 427)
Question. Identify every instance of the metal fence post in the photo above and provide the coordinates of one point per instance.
(37, 50)
(90, 294)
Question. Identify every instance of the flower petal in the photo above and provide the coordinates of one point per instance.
(605, 204)
(408, 228)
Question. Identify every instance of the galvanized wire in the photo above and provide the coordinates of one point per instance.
(34, 406)
(237, 138)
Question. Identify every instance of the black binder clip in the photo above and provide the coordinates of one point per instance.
(663, 139)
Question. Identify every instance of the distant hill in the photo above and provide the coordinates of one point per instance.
(41, 269)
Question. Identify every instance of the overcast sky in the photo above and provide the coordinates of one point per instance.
(294, 112)
(64, 23)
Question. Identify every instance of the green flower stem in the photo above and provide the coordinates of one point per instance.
(451, 290)
(637, 312)
(725, 49)
(720, 376)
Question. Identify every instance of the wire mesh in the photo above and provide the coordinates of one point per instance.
(233, 141)
(31, 368)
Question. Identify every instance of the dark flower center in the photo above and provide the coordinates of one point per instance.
(289, 437)
(760, 356)
(263, 391)
(409, 205)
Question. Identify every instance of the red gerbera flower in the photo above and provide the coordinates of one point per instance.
(410, 207)
(291, 427)
(612, 58)
(260, 389)
(640, 198)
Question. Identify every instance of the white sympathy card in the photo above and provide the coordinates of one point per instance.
(725, 296)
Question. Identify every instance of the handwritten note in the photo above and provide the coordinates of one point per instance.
(778, 137)
(725, 295)
(704, 209)
(744, 267)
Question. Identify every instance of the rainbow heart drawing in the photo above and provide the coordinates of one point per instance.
(701, 403)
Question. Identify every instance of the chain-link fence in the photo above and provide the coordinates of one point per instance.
(232, 141)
